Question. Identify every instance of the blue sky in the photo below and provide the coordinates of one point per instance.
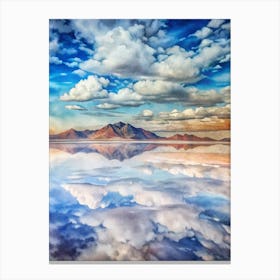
(156, 74)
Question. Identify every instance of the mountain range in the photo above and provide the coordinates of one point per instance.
(120, 131)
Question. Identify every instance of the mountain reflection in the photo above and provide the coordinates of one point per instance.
(118, 151)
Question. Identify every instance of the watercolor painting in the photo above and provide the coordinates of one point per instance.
(139, 140)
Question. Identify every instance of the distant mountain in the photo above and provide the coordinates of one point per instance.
(123, 131)
(187, 137)
(120, 130)
(72, 134)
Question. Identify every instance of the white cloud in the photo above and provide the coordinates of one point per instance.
(183, 66)
(60, 25)
(92, 195)
(178, 66)
(86, 194)
(68, 51)
(157, 89)
(209, 55)
(125, 97)
(196, 170)
(226, 58)
(127, 228)
(109, 249)
(54, 45)
(86, 29)
(152, 27)
(205, 43)
(187, 218)
(198, 113)
(147, 113)
(85, 49)
(121, 52)
(79, 72)
(71, 64)
(203, 32)
(163, 92)
(88, 89)
(208, 97)
(107, 106)
(217, 67)
(55, 60)
(166, 91)
(122, 225)
(215, 23)
(226, 26)
(124, 51)
(77, 59)
(75, 107)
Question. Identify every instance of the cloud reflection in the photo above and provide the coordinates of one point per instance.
(152, 205)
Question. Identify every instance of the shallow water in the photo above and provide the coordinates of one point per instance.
(139, 201)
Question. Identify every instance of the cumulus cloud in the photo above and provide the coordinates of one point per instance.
(195, 170)
(75, 107)
(197, 113)
(158, 89)
(147, 113)
(121, 52)
(211, 54)
(215, 23)
(88, 89)
(226, 58)
(92, 195)
(166, 91)
(55, 60)
(124, 52)
(79, 72)
(122, 226)
(163, 92)
(107, 106)
(86, 194)
(71, 64)
(62, 26)
(89, 29)
(185, 66)
(68, 51)
(226, 26)
(174, 223)
(54, 45)
(125, 97)
(177, 66)
(203, 33)
(205, 43)
(135, 48)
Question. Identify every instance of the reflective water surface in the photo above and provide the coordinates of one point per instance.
(139, 201)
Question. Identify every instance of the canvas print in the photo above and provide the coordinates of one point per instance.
(139, 140)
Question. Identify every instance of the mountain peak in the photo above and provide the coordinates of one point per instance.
(72, 130)
(119, 124)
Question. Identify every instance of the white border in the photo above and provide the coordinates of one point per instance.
(24, 138)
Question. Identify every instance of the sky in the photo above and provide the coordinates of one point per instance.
(161, 75)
